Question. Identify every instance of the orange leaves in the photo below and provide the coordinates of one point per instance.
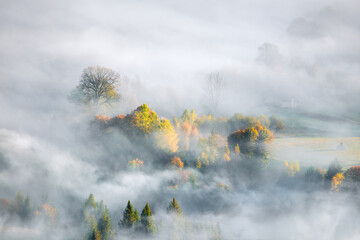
(292, 168)
(336, 182)
(102, 118)
(176, 163)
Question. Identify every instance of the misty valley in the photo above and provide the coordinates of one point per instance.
(179, 120)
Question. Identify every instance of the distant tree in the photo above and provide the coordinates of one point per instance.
(198, 163)
(27, 209)
(90, 209)
(226, 154)
(97, 87)
(176, 162)
(237, 149)
(174, 207)
(186, 115)
(165, 136)
(334, 168)
(263, 120)
(193, 116)
(144, 119)
(18, 204)
(129, 218)
(313, 175)
(147, 220)
(105, 227)
(336, 182)
(214, 88)
(276, 124)
(353, 174)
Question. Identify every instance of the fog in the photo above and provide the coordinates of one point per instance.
(275, 57)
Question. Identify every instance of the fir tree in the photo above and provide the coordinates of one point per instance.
(105, 227)
(136, 216)
(174, 207)
(128, 217)
(27, 209)
(147, 220)
(94, 233)
(90, 209)
(18, 204)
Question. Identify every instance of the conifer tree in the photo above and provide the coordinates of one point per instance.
(90, 209)
(18, 204)
(174, 207)
(136, 216)
(94, 233)
(27, 209)
(128, 217)
(105, 227)
(147, 220)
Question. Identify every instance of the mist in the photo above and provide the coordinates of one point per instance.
(298, 61)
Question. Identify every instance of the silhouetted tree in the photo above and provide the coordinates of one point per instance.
(97, 87)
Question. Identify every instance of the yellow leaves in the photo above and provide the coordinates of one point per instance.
(336, 182)
(226, 187)
(198, 163)
(176, 163)
(136, 163)
(292, 168)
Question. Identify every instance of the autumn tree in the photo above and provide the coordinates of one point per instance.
(226, 154)
(165, 136)
(176, 162)
(97, 87)
(334, 168)
(147, 221)
(144, 119)
(174, 207)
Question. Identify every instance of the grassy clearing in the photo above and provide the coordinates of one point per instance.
(316, 151)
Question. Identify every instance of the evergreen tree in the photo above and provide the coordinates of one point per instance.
(147, 220)
(90, 209)
(27, 209)
(128, 217)
(94, 233)
(105, 227)
(136, 216)
(174, 207)
(18, 204)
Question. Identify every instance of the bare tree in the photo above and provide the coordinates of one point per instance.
(214, 88)
(97, 87)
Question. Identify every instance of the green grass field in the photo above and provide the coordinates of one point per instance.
(316, 151)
